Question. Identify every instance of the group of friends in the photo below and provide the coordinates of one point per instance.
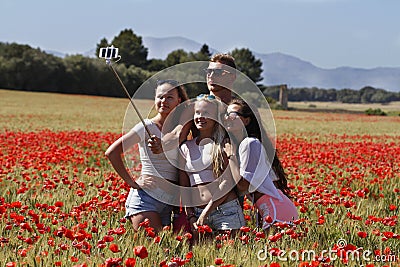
(216, 146)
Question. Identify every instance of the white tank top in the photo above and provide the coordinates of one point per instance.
(198, 163)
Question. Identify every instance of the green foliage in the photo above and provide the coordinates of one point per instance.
(13, 50)
(365, 95)
(176, 57)
(248, 64)
(205, 52)
(133, 77)
(253, 98)
(271, 91)
(375, 112)
(87, 76)
(103, 43)
(270, 100)
(181, 56)
(156, 64)
(23, 67)
(131, 48)
(26, 68)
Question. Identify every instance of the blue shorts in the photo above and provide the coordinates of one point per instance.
(227, 216)
(139, 201)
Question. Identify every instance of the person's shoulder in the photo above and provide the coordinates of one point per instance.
(250, 140)
(249, 143)
(147, 122)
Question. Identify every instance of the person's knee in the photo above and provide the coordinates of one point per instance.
(153, 217)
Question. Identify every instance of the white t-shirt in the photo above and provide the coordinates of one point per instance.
(158, 165)
(255, 168)
(198, 163)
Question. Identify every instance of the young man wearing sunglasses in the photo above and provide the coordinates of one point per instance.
(220, 76)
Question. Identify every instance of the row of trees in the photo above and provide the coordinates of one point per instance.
(25, 68)
(134, 53)
(366, 94)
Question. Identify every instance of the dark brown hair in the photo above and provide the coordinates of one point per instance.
(256, 130)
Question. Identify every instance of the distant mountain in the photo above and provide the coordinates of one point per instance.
(280, 68)
(90, 53)
(55, 53)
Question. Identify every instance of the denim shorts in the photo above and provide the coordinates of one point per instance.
(227, 216)
(139, 201)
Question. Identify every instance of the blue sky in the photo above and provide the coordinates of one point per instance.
(327, 33)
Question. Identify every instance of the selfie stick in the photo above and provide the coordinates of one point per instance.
(108, 61)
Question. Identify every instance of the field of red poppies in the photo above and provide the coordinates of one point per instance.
(63, 205)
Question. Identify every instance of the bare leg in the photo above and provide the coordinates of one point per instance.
(154, 217)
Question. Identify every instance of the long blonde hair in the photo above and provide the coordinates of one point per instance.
(218, 135)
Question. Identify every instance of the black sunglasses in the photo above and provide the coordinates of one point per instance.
(234, 114)
(216, 72)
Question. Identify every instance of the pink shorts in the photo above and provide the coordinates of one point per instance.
(279, 210)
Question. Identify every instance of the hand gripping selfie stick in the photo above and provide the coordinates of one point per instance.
(109, 53)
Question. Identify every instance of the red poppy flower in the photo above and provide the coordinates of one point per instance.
(113, 262)
(218, 261)
(362, 234)
(189, 255)
(245, 229)
(274, 264)
(141, 252)
(130, 262)
(114, 248)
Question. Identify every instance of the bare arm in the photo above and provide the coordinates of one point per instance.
(212, 204)
(173, 138)
(233, 164)
(115, 153)
(242, 184)
(185, 182)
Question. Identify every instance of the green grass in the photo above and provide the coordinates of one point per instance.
(356, 107)
(29, 111)
(332, 159)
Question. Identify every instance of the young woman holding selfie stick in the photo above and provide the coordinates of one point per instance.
(139, 204)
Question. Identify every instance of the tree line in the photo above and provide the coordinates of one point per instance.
(25, 68)
(367, 94)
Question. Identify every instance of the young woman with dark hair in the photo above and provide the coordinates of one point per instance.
(262, 178)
